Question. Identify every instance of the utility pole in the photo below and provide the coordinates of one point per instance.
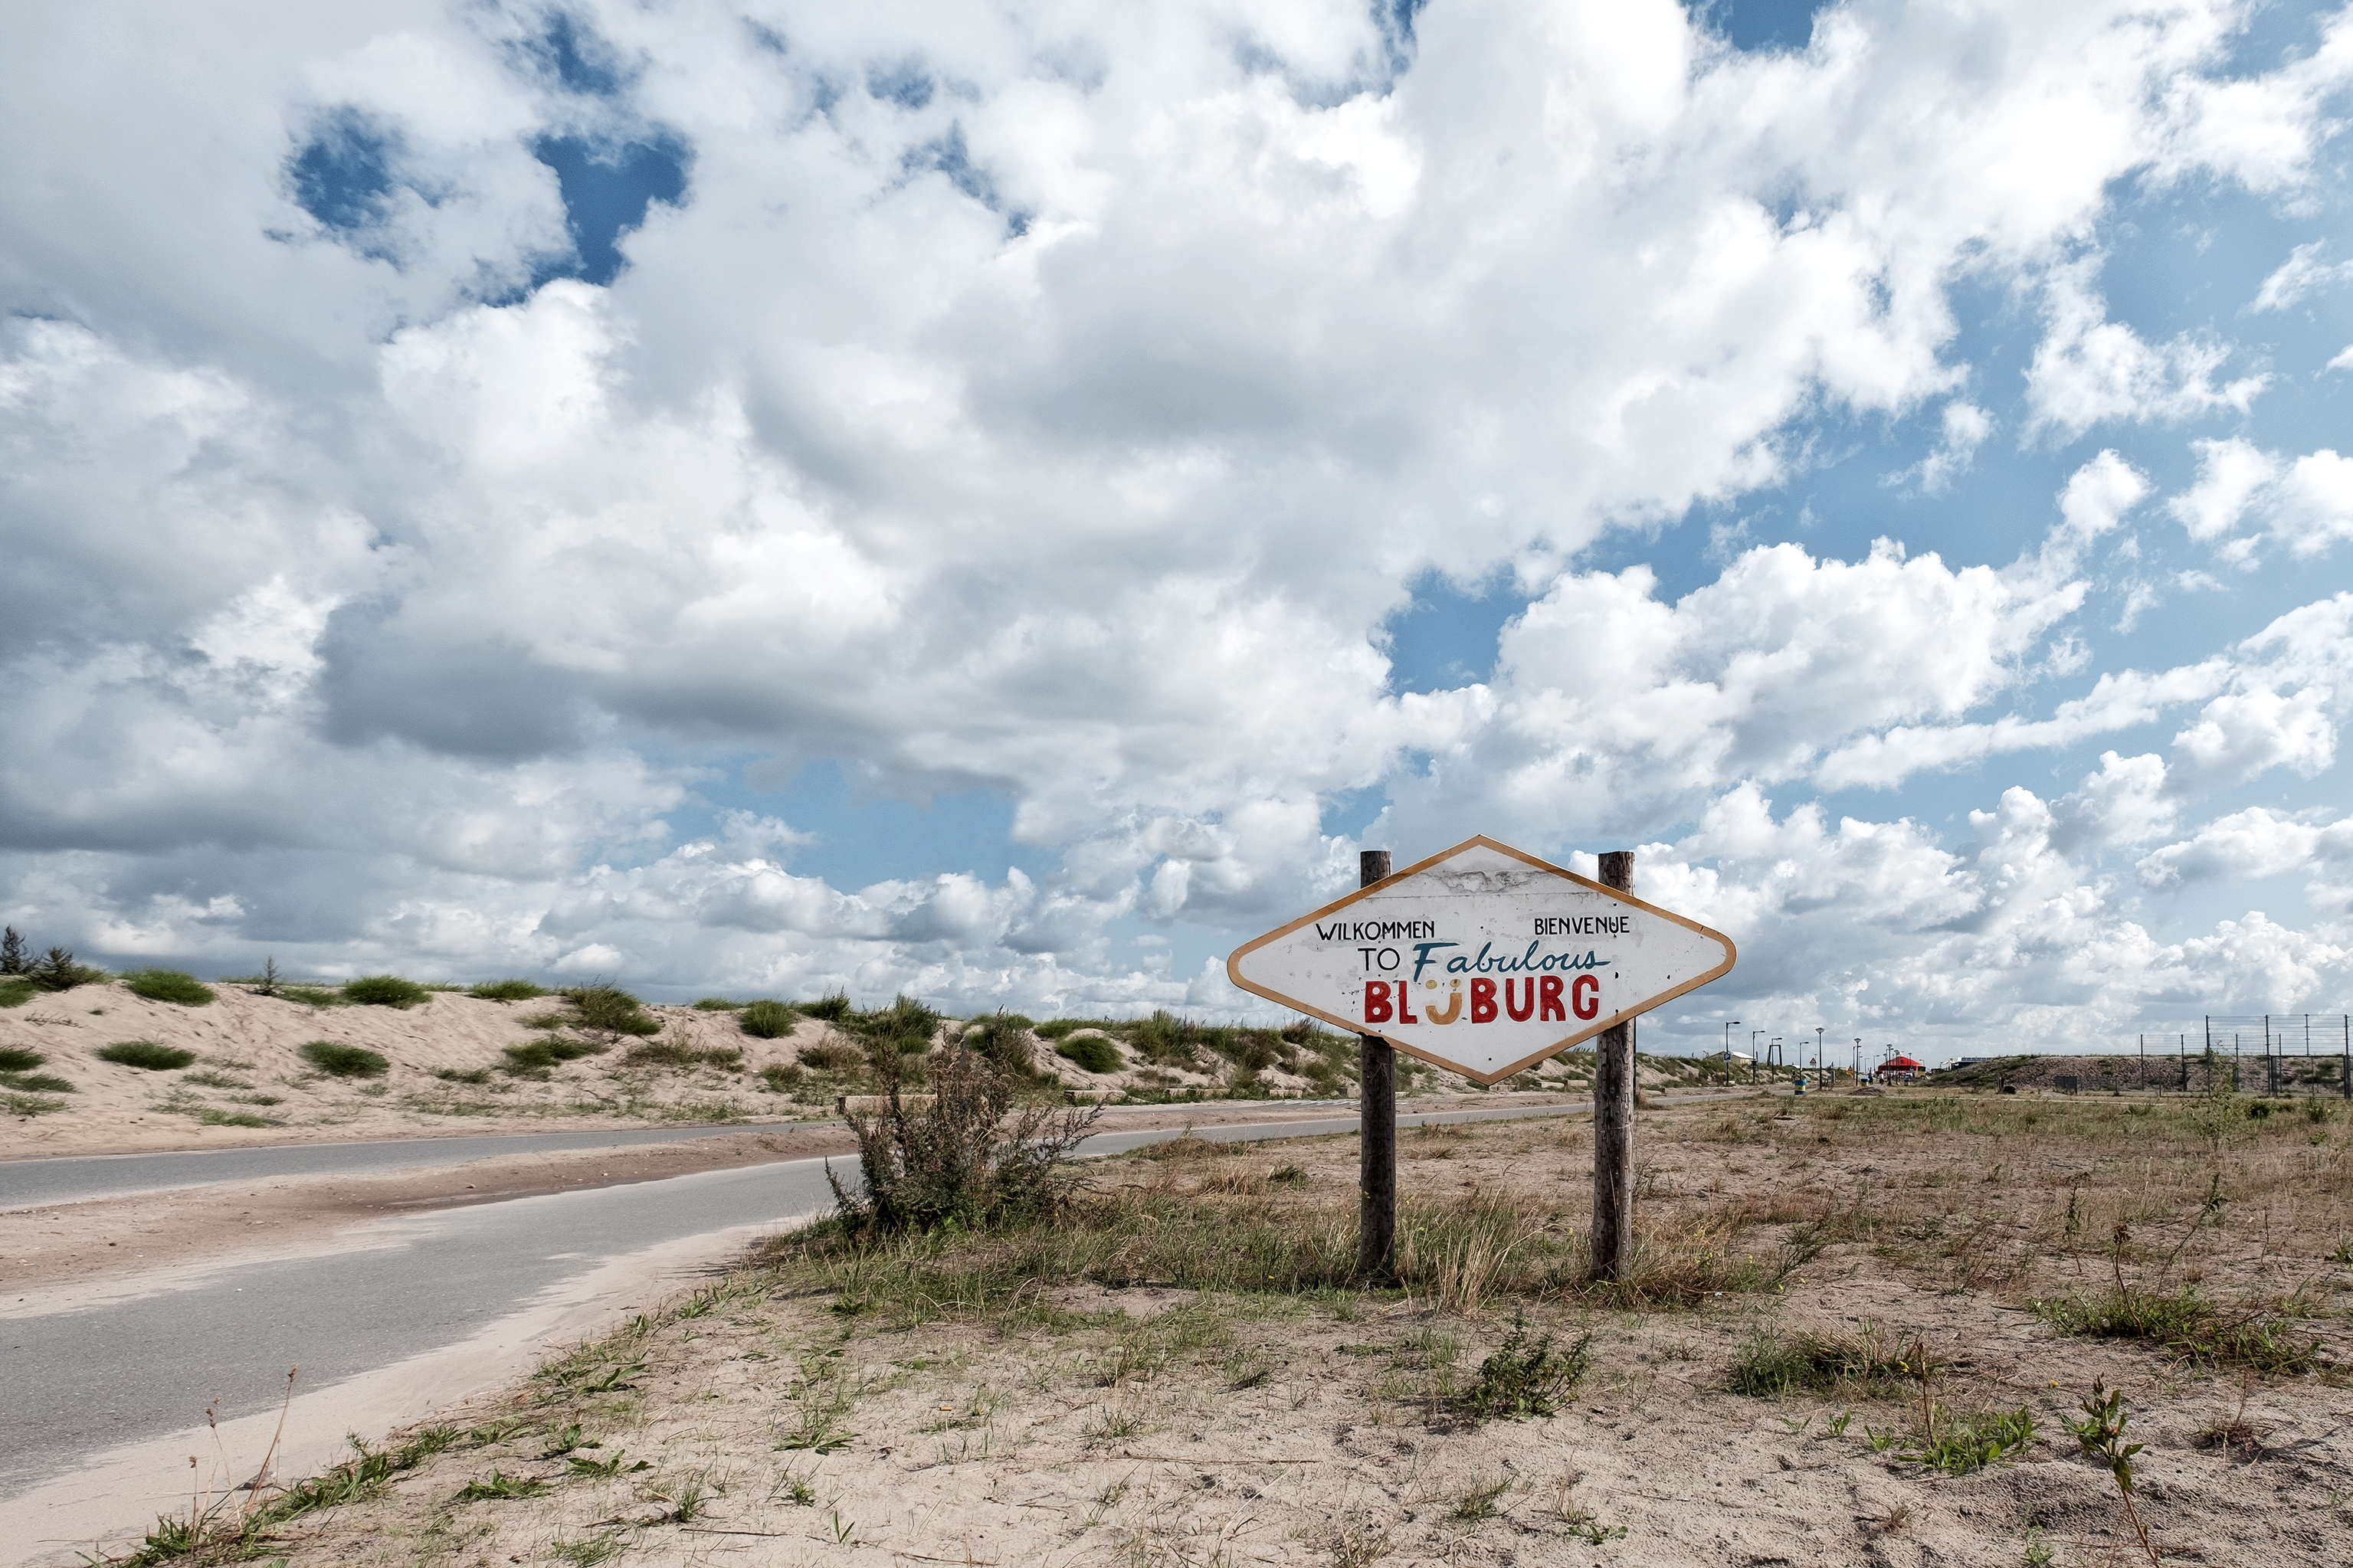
(1613, 1122)
(1377, 1131)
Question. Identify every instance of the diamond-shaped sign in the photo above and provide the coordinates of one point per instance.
(1482, 959)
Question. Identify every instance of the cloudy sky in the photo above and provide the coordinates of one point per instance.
(1004, 502)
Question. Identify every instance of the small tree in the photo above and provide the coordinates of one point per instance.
(960, 1159)
(12, 952)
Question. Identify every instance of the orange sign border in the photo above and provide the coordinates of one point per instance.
(1233, 959)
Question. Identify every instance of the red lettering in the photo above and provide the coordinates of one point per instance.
(1482, 1000)
(1520, 1010)
(1585, 997)
(1548, 991)
(1377, 1000)
(1405, 994)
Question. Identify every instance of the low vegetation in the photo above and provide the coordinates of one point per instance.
(766, 1020)
(18, 1076)
(962, 1157)
(168, 986)
(145, 1054)
(338, 1060)
(383, 991)
(506, 991)
(1111, 1363)
(1091, 1052)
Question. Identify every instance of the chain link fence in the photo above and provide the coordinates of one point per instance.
(2250, 1053)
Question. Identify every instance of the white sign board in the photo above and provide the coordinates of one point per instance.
(1482, 959)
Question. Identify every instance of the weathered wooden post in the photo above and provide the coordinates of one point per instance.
(1377, 1130)
(1613, 1123)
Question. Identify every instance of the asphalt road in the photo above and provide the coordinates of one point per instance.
(30, 1183)
(86, 1379)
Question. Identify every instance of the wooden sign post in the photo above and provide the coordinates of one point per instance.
(1376, 1131)
(1486, 961)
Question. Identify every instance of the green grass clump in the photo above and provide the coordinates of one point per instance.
(766, 1020)
(1772, 1364)
(211, 1116)
(384, 991)
(670, 1054)
(609, 1010)
(537, 1056)
(2184, 1325)
(783, 1077)
(314, 996)
(506, 991)
(833, 1007)
(717, 1005)
(339, 1060)
(1055, 1028)
(1093, 1053)
(15, 990)
(16, 1058)
(236, 1529)
(168, 986)
(145, 1054)
(833, 1055)
(30, 1104)
(36, 1082)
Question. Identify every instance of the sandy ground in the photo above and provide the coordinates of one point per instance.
(776, 1417)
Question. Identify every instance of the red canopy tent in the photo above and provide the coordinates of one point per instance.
(1900, 1067)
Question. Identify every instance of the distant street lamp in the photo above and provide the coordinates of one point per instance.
(1727, 1040)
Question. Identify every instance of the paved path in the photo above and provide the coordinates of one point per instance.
(88, 1379)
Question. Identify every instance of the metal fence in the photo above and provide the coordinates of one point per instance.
(2253, 1053)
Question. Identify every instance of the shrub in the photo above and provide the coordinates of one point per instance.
(609, 1010)
(145, 1054)
(946, 1163)
(716, 1004)
(12, 952)
(1093, 1053)
(168, 986)
(345, 1061)
(1521, 1379)
(57, 970)
(1004, 1039)
(16, 1058)
(783, 1076)
(833, 1055)
(1055, 1028)
(767, 1020)
(383, 991)
(506, 991)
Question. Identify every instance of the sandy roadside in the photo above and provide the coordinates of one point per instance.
(55, 1253)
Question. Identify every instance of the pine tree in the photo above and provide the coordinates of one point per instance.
(12, 952)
